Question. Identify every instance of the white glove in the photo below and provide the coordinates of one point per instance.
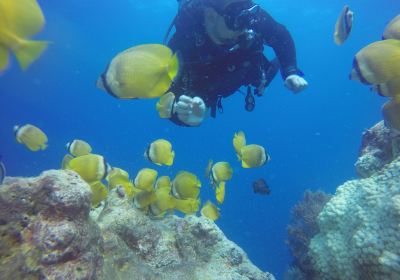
(190, 111)
(295, 83)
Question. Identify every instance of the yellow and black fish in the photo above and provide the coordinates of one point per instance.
(20, 20)
(118, 177)
(210, 210)
(220, 192)
(66, 159)
(377, 63)
(90, 167)
(254, 156)
(165, 105)
(143, 199)
(186, 185)
(78, 148)
(144, 71)
(31, 136)
(392, 30)
(239, 141)
(145, 179)
(160, 152)
(187, 206)
(164, 202)
(343, 26)
(99, 192)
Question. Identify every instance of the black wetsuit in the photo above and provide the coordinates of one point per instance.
(211, 71)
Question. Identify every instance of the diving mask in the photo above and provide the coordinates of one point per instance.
(241, 15)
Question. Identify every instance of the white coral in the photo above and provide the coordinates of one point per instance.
(359, 229)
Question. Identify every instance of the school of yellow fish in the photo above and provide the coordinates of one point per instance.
(153, 194)
(147, 71)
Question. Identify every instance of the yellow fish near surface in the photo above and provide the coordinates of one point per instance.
(160, 152)
(343, 26)
(391, 114)
(164, 105)
(377, 63)
(31, 136)
(78, 148)
(210, 210)
(67, 158)
(392, 30)
(220, 173)
(187, 206)
(99, 192)
(220, 192)
(239, 141)
(186, 185)
(19, 20)
(145, 71)
(118, 177)
(90, 167)
(145, 179)
(253, 156)
(144, 198)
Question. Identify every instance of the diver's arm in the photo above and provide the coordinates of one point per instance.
(278, 37)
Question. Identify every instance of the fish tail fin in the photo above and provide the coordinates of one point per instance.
(29, 51)
(173, 67)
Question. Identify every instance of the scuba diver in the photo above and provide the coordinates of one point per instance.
(221, 43)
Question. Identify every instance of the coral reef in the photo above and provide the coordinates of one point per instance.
(45, 229)
(359, 229)
(302, 228)
(49, 232)
(379, 146)
(169, 248)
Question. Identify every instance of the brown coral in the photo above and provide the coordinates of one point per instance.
(303, 227)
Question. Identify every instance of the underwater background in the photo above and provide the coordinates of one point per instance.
(313, 138)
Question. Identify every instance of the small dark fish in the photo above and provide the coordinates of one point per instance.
(2, 171)
(261, 187)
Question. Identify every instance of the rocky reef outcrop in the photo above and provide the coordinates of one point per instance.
(45, 229)
(379, 146)
(49, 232)
(359, 227)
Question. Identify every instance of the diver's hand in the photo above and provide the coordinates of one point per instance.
(295, 83)
(191, 111)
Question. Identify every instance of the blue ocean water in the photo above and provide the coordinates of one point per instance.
(313, 138)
